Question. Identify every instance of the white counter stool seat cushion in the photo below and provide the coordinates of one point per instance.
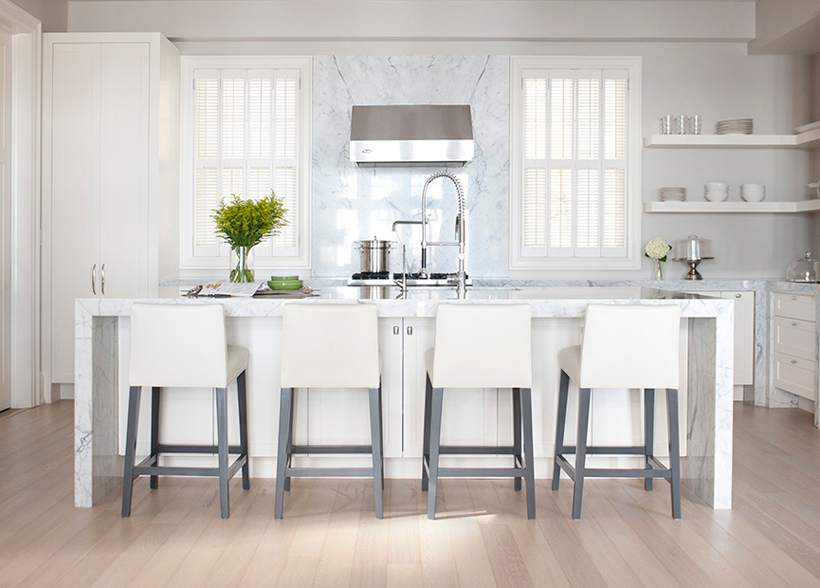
(175, 345)
(480, 346)
(624, 346)
(329, 345)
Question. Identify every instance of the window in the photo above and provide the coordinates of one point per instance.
(575, 163)
(245, 124)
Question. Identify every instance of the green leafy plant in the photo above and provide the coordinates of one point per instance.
(243, 224)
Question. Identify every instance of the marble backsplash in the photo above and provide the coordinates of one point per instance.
(352, 203)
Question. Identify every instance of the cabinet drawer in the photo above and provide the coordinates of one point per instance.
(794, 306)
(795, 337)
(795, 375)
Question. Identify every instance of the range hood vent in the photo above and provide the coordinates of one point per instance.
(411, 135)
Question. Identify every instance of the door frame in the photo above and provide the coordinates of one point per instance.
(27, 381)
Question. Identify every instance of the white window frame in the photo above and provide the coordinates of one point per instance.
(206, 265)
(518, 68)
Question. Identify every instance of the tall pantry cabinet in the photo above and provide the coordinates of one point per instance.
(110, 175)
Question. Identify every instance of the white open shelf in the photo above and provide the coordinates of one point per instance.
(733, 207)
(807, 140)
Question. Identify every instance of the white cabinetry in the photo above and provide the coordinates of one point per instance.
(110, 174)
(795, 344)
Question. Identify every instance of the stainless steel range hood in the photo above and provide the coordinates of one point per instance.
(411, 135)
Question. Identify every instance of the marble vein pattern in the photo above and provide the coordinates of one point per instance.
(352, 203)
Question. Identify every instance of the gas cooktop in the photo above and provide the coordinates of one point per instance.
(414, 279)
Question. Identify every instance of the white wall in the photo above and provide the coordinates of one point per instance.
(689, 76)
(52, 13)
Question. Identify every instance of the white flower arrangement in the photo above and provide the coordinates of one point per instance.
(657, 248)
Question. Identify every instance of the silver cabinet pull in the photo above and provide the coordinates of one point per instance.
(738, 295)
(794, 361)
(396, 330)
(102, 279)
(409, 330)
(794, 297)
(794, 324)
(94, 279)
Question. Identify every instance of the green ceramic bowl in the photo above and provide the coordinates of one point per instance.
(284, 284)
(283, 278)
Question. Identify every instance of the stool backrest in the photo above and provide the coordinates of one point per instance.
(178, 345)
(630, 346)
(483, 346)
(330, 346)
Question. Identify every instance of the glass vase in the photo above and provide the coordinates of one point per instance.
(241, 262)
(657, 269)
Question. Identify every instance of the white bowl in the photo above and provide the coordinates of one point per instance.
(716, 196)
(716, 187)
(755, 194)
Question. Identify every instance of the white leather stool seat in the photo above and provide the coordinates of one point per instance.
(175, 345)
(330, 345)
(182, 345)
(482, 346)
(624, 346)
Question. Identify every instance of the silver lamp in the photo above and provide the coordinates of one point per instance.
(692, 250)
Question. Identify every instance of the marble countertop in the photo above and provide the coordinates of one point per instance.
(422, 302)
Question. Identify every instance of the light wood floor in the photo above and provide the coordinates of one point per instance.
(329, 536)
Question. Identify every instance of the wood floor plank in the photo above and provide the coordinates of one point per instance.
(330, 536)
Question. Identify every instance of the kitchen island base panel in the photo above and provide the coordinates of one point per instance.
(102, 324)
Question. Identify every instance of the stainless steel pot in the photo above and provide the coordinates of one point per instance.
(375, 255)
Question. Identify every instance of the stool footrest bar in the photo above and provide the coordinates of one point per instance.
(329, 472)
(475, 450)
(164, 448)
(302, 449)
(606, 450)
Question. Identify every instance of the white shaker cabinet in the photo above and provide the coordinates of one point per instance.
(110, 174)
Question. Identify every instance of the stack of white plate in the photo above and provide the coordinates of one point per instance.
(673, 194)
(716, 191)
(752, 192)
(735, 126)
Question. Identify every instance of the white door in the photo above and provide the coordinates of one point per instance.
(5, 219)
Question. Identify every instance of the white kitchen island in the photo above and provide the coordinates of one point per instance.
(405, 332)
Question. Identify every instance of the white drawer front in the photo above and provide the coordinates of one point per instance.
(795, 375)
(795, 337)
(796, 306)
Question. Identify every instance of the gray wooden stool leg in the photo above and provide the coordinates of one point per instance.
(517, 457)
(435, 444)
(648, 430)
(381, 421)
(155, 393)
(560, 426)
(529, 453)
(289, 451)
(130, 449)
(282, 454)
(674, 449)
(580, 451)
(242, 398)
(425, 453)
(376, 448)
(222, 448)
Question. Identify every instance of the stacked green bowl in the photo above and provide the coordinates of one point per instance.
(284, 283)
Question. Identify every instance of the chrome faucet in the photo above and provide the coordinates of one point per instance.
(461, 232)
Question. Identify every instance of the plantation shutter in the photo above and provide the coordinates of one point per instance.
(575, 163)
(246, 142)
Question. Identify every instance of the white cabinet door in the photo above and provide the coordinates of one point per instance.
(744, 335)
(99, 182)
(75, 189)
(342, 416)
(124, 152)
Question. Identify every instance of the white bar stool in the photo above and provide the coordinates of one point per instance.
(624, 346)
(328, 345)
(480, 346)
(184, 346)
